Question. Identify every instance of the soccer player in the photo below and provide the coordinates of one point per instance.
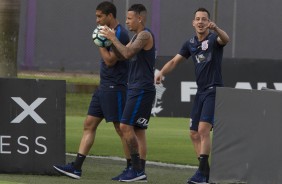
(109, 99)
(141, 89)
(206, 50)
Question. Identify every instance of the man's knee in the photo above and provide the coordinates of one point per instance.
(117, 128)
(91, 123)
(195, 136)
(204, 129)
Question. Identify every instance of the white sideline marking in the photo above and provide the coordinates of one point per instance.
(147, 162)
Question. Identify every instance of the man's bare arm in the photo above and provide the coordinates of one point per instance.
(133, 47)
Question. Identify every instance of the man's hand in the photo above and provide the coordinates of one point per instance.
(158, 78)
(108, 33)
(212, 26)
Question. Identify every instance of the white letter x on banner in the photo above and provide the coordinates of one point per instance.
(28, 110)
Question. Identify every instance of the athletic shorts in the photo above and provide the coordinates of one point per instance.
(107, 104)
(203, 108)
(138, 107)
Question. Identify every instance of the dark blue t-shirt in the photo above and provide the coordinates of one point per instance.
(207, 58)
(115, 77)
(141, 68)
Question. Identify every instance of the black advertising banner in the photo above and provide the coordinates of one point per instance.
(176, 94)
(32, 118)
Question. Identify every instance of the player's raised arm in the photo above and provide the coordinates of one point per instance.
(223, 37)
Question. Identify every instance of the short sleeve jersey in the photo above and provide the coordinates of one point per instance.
(207, 57)
(115, 77)
(141, 68)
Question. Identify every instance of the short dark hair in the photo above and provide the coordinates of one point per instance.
(138, 8)
(107, 7)
(202, 10)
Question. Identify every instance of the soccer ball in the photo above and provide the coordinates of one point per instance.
(99, 40)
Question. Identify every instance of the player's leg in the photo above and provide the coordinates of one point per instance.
(132, 144)
(195, 136)
(204, 131)
(125, 148)
(136, 116)
(194, 123)
(117, 103)
(113, 106)
(93, 119)
(198, 177)
(73, 169)
(91, 124)
(126, 153)
(205, 126)
(142, 145)
(135, 173)
(142, 123)
(196, 140)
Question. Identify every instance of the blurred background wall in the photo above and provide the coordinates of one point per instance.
(56, 35)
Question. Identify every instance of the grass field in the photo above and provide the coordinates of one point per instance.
(167, 138)
(78, 78)
(77, 104)
(100, 171)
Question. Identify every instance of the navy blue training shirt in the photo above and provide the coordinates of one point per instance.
(116, 76)
(207, 58)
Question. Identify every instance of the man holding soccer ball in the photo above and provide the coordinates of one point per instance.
(109, 99)
(141, 89)
(206, 50)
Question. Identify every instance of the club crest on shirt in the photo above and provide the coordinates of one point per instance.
(205, 45)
